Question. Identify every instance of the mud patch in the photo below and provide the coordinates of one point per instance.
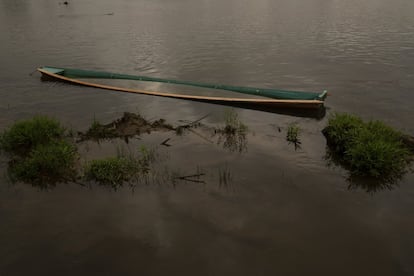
(128, 126)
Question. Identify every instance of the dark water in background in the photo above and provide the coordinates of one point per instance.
(284, 212)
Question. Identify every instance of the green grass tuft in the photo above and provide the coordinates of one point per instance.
(115, 171)
(367, 148)
(38, 152)
(233, 134)
(342, 130)
(292, 135)
(233, 125)
(26, 135)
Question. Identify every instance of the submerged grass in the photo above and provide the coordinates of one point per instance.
(225, 176)
(46, 165)
(370, 149)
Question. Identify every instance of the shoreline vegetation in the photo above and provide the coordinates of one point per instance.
(43, 153)
(39, 152)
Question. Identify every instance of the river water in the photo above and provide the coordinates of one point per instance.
(264, 209)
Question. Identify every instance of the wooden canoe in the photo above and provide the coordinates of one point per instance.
(66, 75)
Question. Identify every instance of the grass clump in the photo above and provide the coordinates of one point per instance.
(341, 131)
(39, 153)
(292, 135)
(112, 171)
(367, 148)
(233, 125)
(26, 135)
(115, 171)
(46, 165)
(233, 134)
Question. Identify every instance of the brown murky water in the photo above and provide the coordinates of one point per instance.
(263, 210)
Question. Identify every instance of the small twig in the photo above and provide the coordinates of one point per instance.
(191, 175)
(195, 181)
(194, 122)
(202, 118)
(201, 136)
(164, 143)
(31, 74)
(189, 178)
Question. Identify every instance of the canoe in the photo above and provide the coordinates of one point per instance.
(268, 97)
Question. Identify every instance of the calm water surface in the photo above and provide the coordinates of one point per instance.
(282, 212)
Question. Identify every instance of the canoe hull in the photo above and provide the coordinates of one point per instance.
(262, 92)
(260, 103)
